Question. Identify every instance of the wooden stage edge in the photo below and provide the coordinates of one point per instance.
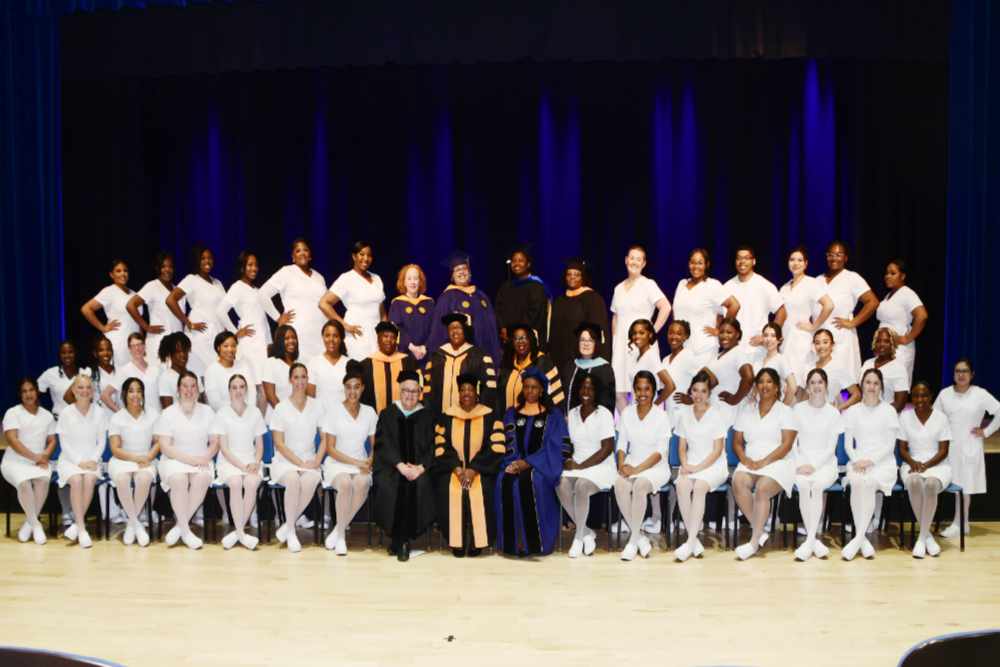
(160, 606)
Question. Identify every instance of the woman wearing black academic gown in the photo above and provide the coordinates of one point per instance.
(523, 298)
(588, 337)
(578, 304)
(404, 451)
(456, 357)
(521, 354)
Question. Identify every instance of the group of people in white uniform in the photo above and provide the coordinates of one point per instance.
(192, 392)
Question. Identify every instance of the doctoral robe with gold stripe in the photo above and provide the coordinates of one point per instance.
(379, 372)
(442, 371)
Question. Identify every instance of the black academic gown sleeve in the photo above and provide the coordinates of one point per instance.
(389, 432)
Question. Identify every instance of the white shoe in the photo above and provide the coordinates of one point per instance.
(933, 548)
(873, 526)
(129, 537)
(199, 519)
(331, 539)
(919, 549)
(341, 545)
(191, 541)
(801, 530)
(118, 515)
(745, 551)
(72, 533)
(24, 533)
(629, 552)
(589, 543)
(820, 550)
(867, 549)
(576, 549)
(173, 536)
(951, 532)
(304, 522)
(651, 525)
(253, 519)
(763, 539)
(84, 539)
(230, 540)
(804, 552)
(293, 542)
(698, 549)
(141, 536)
(620, 527)
(682, 553)
(711, 525)
(282, 533)
(249, 541)
(645, 546)
(67, 520)
(38, 534)
(851, 549)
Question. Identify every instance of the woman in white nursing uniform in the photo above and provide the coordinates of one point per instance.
(730, 374)
(113, 300)
(897, 383)
(186, 467)
(83, 432)
(815, 458)
(635, 298)
(363, 297)
(643, 356)
(226, 365)
(924, 437)
(680, 366)
(154, 295)
(253, 331)
(871, 428)
(802, 296)
(966, 405)
(174, 352)
(203, 294)
(643, 440)
(763, 438)
(300, 287)
(132, 467)
(282, 354)
(239, 427)
(700, 301)
(767, 356)
(56, 380)
(349, 429)
(903, 313)
(838, 377)
(139, 368)
(591, 468)
(701, 434)
(296, 465)
(846, 288)
(30, 432)
(326, 371)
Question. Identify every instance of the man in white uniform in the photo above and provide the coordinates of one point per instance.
(758, 297)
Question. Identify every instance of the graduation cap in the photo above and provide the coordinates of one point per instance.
(456, 258)
(385, 326)
(595, 331)
(407, 376)
(576, 263)
(467, 378)
(537, 374)
(464, 318)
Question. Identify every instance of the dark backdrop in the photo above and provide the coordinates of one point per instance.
(579, 158)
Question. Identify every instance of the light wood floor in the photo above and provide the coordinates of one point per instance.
(159, 606)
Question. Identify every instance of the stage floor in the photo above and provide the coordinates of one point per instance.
(159, 606)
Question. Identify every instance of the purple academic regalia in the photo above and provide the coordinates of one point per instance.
(456, 299)
(413, 318)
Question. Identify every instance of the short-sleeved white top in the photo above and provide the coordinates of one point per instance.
(113, 300)
(838, 378)
(894, 378)
(649, 361)
(189, 434)
(32, 430)
(641, 438)
(923, 438)
(801, 302)
(727, 371)
(844, 290)
(777, 362)
(276, 372)
(241, 431)
(245, 300)
(217, 379)
(204, 298)
(818, 432)
(758, 298)
(762, 435)
(168, 385)
(150, 384)
(55, 382)
(154, 294)
(328, 379)
(635, 303)
(299, 428)
(298, 291)
(699, 307)
(587, 434)
(873, 429)
(700, 434)
(82, 437)
(896, 310)
(360, 297)
(351, 433)
(136, 434)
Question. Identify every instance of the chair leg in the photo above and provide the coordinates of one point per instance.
(961, 519)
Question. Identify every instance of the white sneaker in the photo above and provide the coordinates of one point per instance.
(24, 533)
(249, 541)
(191, 541)
(341, 545)
(919, 549)
(951, 532)
(230, 540)
(763, 538)
(804, 552)
(293, 542)
(305, 522)
(933, 548)
(129, 537)
(745, 551)
(38, 534)
(820, 550)
(851, 549)
(589, 543)
(72, 533)
(84, 539)
(698, 549)
(867, 549)
(67, 519)
(801, 530)
(620, 527)
(629, 552)
(651, 525)
(331, 539)
(575, 549)
(645, 546)
(682, 553)
(173, 536)
(141, 536)
(282, 533)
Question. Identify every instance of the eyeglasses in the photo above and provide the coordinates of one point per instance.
(410, 392)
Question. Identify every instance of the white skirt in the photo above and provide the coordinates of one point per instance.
(715, 475)
(279, 469)
(657, 476)
(361, 347)
(333, 468)
(224, 470)
(121, 467)
(67, 470)
(602, 475)
(16, 473)
(883, 474)
(940, 472)
(821, 478)
(781, 471)
(170, 467)
(968, 466)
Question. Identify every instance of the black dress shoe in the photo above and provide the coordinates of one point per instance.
(403, 554)
(393, 550)
(474, 552)
(458, 553)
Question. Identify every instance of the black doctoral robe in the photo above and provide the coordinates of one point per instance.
(524, 301)
(380, 372)
(442, 371)
(510, 382)
(569, 312)
(403, 508)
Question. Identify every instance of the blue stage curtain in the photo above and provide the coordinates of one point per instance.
(971, 312)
